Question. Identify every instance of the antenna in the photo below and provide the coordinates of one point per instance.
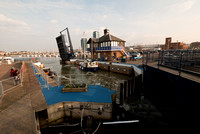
(84, 34)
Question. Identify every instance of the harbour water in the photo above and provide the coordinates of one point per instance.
(71, 74)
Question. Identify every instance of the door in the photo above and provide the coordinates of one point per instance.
(115, 55)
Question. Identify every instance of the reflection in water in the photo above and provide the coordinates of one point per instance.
(72, 74)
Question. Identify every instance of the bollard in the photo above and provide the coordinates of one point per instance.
(132, 85)
(121, 93)
(2, 92)
(125, 90)
(129, 88)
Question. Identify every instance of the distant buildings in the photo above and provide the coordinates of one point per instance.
(83, 44)
(173, 45)
(95, 34)
(107, 47)
(2, 53)
(195, 45)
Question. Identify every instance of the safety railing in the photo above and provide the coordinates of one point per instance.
(9, 84)
(181, 60)
(108, 48)
(47, 80)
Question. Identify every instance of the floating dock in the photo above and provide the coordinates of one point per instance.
(96, 102)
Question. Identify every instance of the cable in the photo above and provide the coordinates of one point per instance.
(82, 121)
(97, 128)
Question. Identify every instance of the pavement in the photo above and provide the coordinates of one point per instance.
(176, 72)
(5, 69)
(18, 106)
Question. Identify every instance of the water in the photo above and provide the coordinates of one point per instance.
(71, 74)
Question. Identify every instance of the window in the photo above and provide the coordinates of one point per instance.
(115, 43)
(112, 44)
(109, 43)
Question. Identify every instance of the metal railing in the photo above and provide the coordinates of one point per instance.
(8, 84)
(108, 48)
(181, 60)
(47, 79)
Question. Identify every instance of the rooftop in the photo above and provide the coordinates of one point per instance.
(109, 37)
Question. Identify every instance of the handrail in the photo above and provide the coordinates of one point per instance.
(181, 60)
(9, 89)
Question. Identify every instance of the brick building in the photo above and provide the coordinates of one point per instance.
(2, 53)
(107, 47)
(173, 45)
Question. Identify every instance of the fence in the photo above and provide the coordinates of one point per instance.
(47, 79)
(10, 83)
(181, 60)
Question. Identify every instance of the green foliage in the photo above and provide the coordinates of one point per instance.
(82, 85)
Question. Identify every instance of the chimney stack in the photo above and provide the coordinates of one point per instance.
(106, 31)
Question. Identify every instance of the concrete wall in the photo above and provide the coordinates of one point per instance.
(101, 111)
(116, 68)
(176, 97)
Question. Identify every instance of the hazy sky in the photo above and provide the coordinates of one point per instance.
(33, 25)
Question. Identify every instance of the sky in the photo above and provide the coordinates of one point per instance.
(33, 25)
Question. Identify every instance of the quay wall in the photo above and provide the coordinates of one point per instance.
(175, 96)
(101, 111)
(113, 67)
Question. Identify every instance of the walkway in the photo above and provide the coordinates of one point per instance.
(17, 107)
(176, 72)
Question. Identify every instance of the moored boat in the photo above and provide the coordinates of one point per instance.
(88, 65)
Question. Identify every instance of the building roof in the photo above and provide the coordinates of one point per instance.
(109, 37)
(95, 40)
(105, 38)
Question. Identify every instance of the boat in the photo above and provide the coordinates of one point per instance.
(8, 60)
(88, 65)
(47, 70)
(50, 72)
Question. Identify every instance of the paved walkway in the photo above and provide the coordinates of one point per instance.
(176, 72)
(17, 107)
(5, 69)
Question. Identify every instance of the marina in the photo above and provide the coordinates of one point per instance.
(110, 92)
(71, 95)
(125, 101)
(99, 67)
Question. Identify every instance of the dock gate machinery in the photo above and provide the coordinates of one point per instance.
(66, 50)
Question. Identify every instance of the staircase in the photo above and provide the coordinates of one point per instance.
(124, 52)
